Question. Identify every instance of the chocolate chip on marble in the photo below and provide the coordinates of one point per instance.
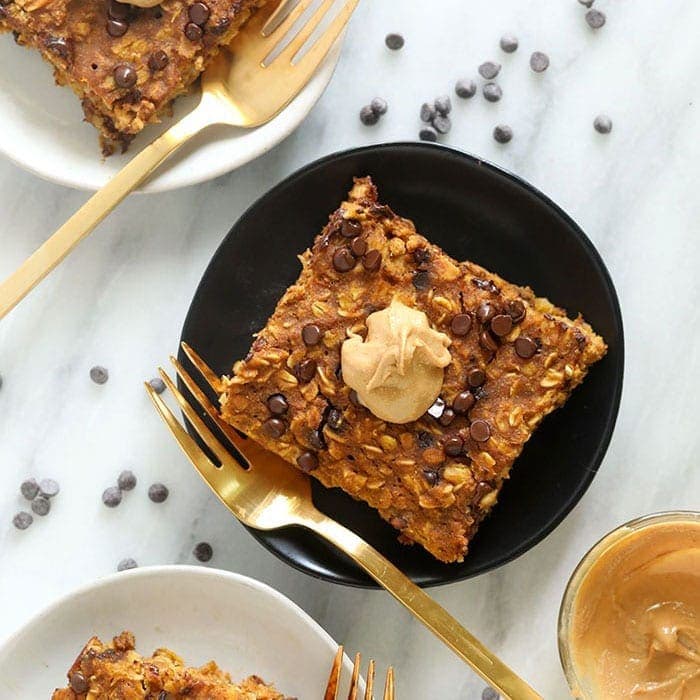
(311, 334)
(41, 505)
(358, 247)
(492, 92)
(539, 61)
(428, 133)
(29, 489)
(502, 133)
(372, 260)
(443, 105)
(476, 377)
(203, 551)
(485, 312)
(368, 116)
(198, 13)
(112, 496)
(509, 43)
(602, 124)
(99, 374)
(427, 112)
(305, 370)
(448, 415)
(126, 564)
(350, 228)
(126, 480)
(453, 446)
(157, 384)
(431, 476)
(22, 520)
(158, 60)
(442, 124)
(595, 18)
(394, 41)
(501, 325)
(488, 693)
(465, 88)
(586, 3)
(525, 347)
(463, 403)
(277, 404)
(425, 439)
(487, 341)
(78, 683)
(117, 27)
(158, 492)
(480, 430)
(461, 324)
(307, 461)
(421, 280)
(438, 408)
(193, 31)
(379, 106)
(125, 75)
(516, 309)
(49, 488)
(343, 260)
(489, 70)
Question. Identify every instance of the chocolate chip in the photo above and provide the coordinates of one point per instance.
(317, 440)
(350, 228)
(334, 419)
(305, 370)
(509, 43)
(22, 520)
(49, 488)
(448, 415)
(453, 446)
(394, 41)
(492, 92)
(125, 75)
(41, 505)
(78, 682)
(112, 496)
(488, 693)
(99, 375)
(118, 10)
(358, 247)
(539, 62)
(126, 564)
(442, 124)
(501, 325)
(379, 106)
(372, 260)
(425, 439)
(158, 60)
(203, 551)
(516, 309)
(307, 461)
(354, 398)
(117, 27)
(431, 476)
(480, 430)
(487, 341)
(198, 13)
(158, 492)
(443, 105)
(368, 116)
(311, 334)
(438, 408)
(421, 280)
(277, 404)
(485, 284)
(221, 26)
(502, 133)
(586, 3)
(602, 124)
(428, 133)
(489, 70)
(274, 427)
(485, 312)
(193, 31)
(460, 324)
(421, 256)
(595, 19)
(29, 489)
(525, 347)
(463, 403)
(476, 377)
(465, 88)
(427, 112)
(126, 480)
(343, 260)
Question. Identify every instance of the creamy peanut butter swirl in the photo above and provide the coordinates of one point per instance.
(635, 630)
(397, 370)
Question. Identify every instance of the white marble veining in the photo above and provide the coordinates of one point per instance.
(121, 298)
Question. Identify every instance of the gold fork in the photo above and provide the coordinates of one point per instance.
(246, 86)
(267, 493)
(334, 679)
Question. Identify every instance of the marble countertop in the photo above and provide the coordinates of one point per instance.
(120, 300)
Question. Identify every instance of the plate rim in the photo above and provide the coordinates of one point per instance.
(619, 369)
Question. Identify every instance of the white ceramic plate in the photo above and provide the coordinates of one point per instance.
(43, 130)
(201, 614)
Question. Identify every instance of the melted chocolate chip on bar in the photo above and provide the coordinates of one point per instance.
(307, 461)
(463, 402)
(453, 446)
(124, 75)
(305, 370)
(480, 430)
(461, 324)
(198, 13)
(525, 347)
(358, 246)
(343, 260)
(350, 228)
(421, 280)
(275, 427)
(193, 31)
(277, 404)
(158, 60)
(372, 261)
(501, 325)
(448, 415)
(311, 334)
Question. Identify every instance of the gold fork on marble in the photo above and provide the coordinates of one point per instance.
(245, 86)
(334, 680)
(266, 493)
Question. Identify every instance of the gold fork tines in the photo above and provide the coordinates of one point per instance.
(334, 680)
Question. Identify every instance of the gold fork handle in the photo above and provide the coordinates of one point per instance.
(428, 611)
(56, 248)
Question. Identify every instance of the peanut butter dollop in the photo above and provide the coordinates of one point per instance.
(397, 371)
(635, 630)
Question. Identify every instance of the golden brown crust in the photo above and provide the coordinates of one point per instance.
(415, 475)
(72, 35)
(117, 672)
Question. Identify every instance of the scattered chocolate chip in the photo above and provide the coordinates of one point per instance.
(358, 247)
(126, 564)
(126, 480)
(49, 488)
(334, 419)
(158, 492)
(501, 325)
(485, 312)
(78, 683)
(22, 520)
(158, 60)
(305, 370)
(480, 430)
(307, 461)
(489, 70)
(488, 342)
(509, 43)
(203, 551)
(29, 489)
(448, 415)
(99, 374)
(350, 228)
(41, 505)
(485, 284)
(425, 439)
(465, 88)
(595, 19)
(421, 280)
(117, 27)
(317, 440)
(112, 496)
(193, 31)
(427, 112)
(539, 61)
(118, 10)
(525, 347)
(277, 404)
(394, 41)
(372, 260)
(431, 476)
(442, 124)
(198, 13)
(125, 75)
(157, 384)
(453, 446)
(488, 693)
(463, 403)
(476, 377)
(379, 106)
(428, 133)
(516, 309)
(492, 92)
(502, 133)
(586, 3)
(368, 116)
(602, 124)
(354, 398)
(274, 427)
(311, 334)
(438, 407)
(460, 324)
(422, 257)
(343, 260)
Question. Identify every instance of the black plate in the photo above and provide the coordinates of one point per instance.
(474, 211)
